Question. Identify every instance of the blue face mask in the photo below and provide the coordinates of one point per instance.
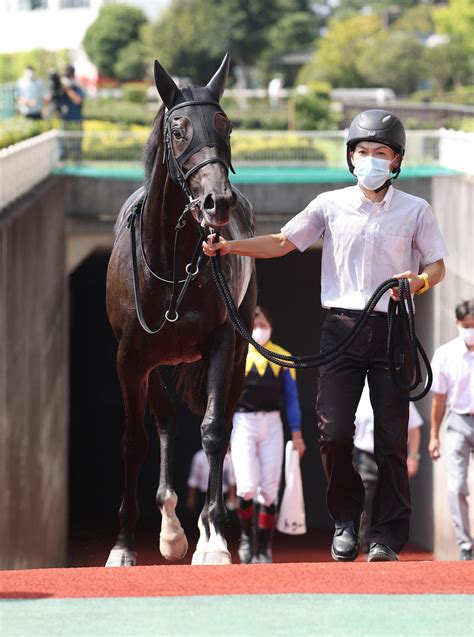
(371, 172)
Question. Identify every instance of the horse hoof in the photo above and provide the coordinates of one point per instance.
(174, 549)
(121, 557)
(205, 558)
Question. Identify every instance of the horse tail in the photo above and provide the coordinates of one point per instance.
(191, 385)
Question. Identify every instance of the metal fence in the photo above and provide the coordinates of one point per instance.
(7, 100)
(265, 148)
(24, 165)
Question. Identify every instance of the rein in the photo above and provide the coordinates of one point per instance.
(192, 268)
(397, 317)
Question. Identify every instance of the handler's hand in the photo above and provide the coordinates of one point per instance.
(210, 246)
(434, 448)
(416, 283)
(298, 443)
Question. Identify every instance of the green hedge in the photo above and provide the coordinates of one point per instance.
(16, 129)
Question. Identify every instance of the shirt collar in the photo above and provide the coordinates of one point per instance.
(362, 200)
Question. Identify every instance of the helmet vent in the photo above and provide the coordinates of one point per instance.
(386, 118)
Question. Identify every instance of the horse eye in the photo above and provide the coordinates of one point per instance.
(177, 134)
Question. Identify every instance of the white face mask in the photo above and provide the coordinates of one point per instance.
(28, 74)
(467, 335)
(261, 335)
(372, 172)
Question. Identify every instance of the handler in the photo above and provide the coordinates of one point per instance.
(370, 231)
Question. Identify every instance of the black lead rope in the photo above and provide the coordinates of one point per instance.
(397, 316)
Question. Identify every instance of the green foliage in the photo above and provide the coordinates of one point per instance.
(313, 110)
(134, 92)
(336, 55)
(457, 21)
(448, 66)
(393, 59)
(131, 62)
(116, 26)
(12, 65)
(119, 112)
(16, 129)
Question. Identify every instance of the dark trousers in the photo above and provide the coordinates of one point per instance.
(366, 467)
(340, 388)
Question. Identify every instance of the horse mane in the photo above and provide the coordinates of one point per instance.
(152, 146)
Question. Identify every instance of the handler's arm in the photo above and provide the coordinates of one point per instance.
(435, 272)
(438, 407)
(264, 247)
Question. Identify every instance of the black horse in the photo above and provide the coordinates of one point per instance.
(187, 159)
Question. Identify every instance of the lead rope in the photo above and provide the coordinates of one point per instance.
(396, 315)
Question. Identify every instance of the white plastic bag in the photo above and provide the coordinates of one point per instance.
(291, 517)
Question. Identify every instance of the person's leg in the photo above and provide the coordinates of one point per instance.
(366, 467)
(391, 505)
(243, 449)
(270, 456)
(458, 447)
(339, 391)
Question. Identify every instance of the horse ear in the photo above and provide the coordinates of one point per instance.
(219, 80)
(166, 86)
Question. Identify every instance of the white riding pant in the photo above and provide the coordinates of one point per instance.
(256, 447)
(459, 441)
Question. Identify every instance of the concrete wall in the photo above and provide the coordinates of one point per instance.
(453, 202)
(33, 381)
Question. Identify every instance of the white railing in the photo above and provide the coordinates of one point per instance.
(26, 164)
(456, 150)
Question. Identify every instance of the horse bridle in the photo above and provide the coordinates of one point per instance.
(175, 166)
(203, 136)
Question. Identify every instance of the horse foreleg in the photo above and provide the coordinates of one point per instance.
(173, 542)
(212, 546)
(134, 447)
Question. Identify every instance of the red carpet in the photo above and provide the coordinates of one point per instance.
(156, 581)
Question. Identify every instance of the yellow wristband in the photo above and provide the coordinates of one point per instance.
(426, 286)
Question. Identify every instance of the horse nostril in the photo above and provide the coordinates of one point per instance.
(209, 203)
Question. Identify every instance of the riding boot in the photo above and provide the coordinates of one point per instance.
(245, 512)
(266, 524)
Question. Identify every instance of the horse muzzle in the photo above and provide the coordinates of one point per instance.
(215, 209)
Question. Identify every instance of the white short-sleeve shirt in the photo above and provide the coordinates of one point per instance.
(453, 375)
(364, 422)
(365, 243)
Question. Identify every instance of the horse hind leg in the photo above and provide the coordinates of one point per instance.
(173, 542)
(134, 448)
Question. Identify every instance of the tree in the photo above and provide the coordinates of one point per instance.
(131, 62)
(394, 60)
(294, 32)
(457, 22)
(335, 58)
(116, 26)
(191, 36)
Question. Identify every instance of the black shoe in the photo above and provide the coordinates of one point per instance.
(381, 553)
(345, 543)
(465, 554)
(245, 549)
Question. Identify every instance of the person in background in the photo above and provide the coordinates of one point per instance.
(370, 232)
(453, 391)
(256, 442)
(198, 481)
(67, 96)
(30, 95)
(364, 457)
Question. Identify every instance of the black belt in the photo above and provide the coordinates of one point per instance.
(357, 313)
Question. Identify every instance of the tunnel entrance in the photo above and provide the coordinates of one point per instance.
(289, 288)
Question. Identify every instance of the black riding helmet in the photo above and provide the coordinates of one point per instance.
(377, 125)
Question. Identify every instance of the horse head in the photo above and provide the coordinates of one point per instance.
(197, 141)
